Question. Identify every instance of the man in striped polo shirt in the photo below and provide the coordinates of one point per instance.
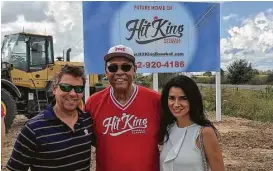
(59, 138)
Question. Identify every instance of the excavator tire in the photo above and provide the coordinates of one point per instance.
(10, 107)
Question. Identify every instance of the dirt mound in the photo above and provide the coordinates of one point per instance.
(247, 145)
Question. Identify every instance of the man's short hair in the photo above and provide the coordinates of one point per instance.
(75, 71)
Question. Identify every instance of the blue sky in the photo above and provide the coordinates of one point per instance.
(247, 33)
(242, 10)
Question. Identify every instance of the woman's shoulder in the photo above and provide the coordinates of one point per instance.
(208, 132)
(171, 127)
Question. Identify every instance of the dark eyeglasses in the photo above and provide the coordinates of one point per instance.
(123, 67)
(67, 88)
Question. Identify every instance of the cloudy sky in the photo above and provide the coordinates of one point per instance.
(247, 32)
(246, 28)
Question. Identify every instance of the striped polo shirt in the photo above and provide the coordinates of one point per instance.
(47, 143)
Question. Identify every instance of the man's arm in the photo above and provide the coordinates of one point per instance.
(23, 151)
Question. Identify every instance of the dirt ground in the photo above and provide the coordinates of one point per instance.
(246, 145)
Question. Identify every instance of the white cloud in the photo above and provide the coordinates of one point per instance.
(79, 58)
(62, 20)
(253, 41)
(21, 24)
(269, 10)
(68, 17)
(230, 16)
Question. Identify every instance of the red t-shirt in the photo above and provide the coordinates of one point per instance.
(127, 136)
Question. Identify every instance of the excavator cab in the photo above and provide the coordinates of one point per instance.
(27, 69)
(27, 60)
(28, 52)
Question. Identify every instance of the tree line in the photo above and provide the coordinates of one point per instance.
(238, 72)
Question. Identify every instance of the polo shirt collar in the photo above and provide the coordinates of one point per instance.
(50, 114)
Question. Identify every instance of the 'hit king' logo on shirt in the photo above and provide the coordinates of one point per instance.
(116, 126)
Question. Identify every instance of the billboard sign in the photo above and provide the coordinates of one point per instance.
(165, 36)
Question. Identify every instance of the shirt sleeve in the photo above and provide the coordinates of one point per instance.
(24, 150)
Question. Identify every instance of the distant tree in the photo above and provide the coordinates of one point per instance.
(256, 72)
(139, 76)
(269, 71)
(222, 72)
(163, 78)
(240, 72)
(270, 78)
(144, 80)
(209, 74)
(101, 76)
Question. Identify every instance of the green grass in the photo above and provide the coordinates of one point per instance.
(262, 76)
(258, 80)
(204, 79)
(249, 104)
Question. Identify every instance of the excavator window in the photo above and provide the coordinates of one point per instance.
(37, 53)
(27, 52)
(14, 51)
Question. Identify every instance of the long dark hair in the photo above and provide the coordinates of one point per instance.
(194, 96)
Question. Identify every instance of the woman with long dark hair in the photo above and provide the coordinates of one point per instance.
(189, 139)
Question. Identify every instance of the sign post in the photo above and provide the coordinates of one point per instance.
(218, 96)
(155, 81)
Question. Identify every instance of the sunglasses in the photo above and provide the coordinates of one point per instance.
(123, 67)
(67, 88)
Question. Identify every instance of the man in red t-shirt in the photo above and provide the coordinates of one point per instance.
(126, 118)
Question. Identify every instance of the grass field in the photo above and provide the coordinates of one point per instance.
(256, 80)
(249, 104)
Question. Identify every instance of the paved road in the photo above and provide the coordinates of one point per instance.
(249, 87)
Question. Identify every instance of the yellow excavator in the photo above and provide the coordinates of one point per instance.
(27, 68)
